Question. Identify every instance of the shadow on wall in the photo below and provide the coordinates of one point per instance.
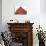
(43, 6)
(0, 15)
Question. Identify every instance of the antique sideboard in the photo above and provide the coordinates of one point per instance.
(22, 33)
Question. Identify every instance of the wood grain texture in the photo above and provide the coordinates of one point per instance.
(23, 27)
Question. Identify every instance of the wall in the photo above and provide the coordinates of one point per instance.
(34, 14)
(0, 15)
(43, 6)
(32, 7)
(43, 14)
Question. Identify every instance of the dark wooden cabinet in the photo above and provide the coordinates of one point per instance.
(22, 33)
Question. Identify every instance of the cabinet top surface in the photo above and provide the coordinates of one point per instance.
(19, 23)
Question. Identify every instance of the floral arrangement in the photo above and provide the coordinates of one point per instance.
(40, 34)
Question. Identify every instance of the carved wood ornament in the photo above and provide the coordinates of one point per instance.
(21, 11)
